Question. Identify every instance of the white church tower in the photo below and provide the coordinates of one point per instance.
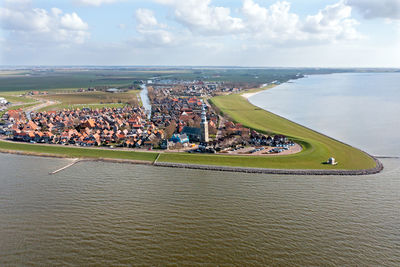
(204, 125)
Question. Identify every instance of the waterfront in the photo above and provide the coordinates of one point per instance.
(145, 100)
(117, 214)
(361, 109)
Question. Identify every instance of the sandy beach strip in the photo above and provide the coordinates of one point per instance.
(248, 95)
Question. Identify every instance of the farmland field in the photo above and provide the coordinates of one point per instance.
(44, 79)
(93, 97)
(78, 152)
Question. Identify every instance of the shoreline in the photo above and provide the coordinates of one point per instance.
(378, 168)
(248, 95)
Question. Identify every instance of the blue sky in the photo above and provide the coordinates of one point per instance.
(341, 33)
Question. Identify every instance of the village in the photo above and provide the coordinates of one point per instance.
(181, 119)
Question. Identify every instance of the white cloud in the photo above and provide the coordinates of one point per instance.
(145, 18)
(200, 16)
(152, 32)
(27, 25)
(95, 2)
(272, 24)
(73, 22)
(371, 9)
(333, 22)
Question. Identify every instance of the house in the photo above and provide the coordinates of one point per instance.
(3, 101)
(193, 133)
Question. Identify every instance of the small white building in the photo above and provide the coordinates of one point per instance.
(3, 101)
(332, 161)
(113, 90)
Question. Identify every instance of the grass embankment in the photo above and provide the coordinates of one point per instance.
(91, 100)
(80, 106)
(92, 97)
(17, 99)
(76, 152)
(317, 148)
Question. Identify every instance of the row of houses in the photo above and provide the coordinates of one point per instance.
(126, 126)
(184, 112)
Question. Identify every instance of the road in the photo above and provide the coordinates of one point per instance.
(40, 105)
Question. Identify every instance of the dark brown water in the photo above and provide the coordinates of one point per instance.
(115, 214)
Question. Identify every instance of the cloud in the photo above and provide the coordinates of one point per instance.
(199, 16)
(145, 18)
(334, 21)
(27, 25)
(277, 23)
(72, 22)
(371, 9)
(273, 24)
(151, 31)
(95, 2)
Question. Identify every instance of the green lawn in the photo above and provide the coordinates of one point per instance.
(317, 148)
(76, 152)
(92, 97)
(92, 100)
(15, 99)
(80, 106)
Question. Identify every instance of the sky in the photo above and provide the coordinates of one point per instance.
(253, 33)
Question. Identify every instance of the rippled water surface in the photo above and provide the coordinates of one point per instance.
(362, 109)
(120, 214)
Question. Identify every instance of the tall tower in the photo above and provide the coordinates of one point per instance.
(204, 125)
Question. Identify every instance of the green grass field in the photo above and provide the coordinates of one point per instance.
(317, 148)
(28, 80)
(92, 97)
(80, 106)
(91, 100)
(17, 99)
(77, 152)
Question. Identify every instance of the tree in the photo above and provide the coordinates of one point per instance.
(170, 129)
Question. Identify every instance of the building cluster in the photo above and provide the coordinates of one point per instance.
(234, 136)
(184, 118)
(3, 104)
(36, 93)
(126, 127)
(193, 88)
(180, 117)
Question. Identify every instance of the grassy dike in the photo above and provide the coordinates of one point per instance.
(317, 148)
(76, 152)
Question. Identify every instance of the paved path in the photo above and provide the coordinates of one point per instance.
(39, 106)
(221, 124)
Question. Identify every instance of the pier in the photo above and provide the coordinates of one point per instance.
(65, 167)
